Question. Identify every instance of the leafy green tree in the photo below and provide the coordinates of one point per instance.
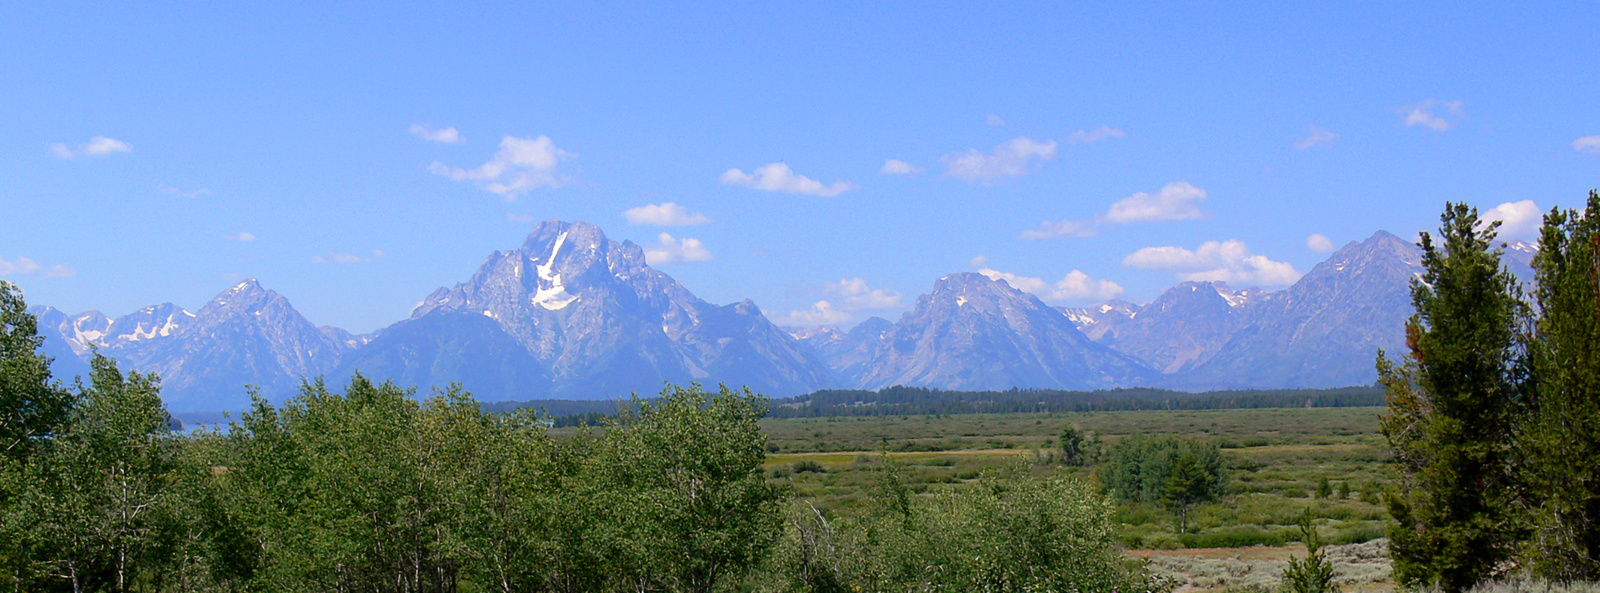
(1453, 405)
(1564, 440)
(688, 467)
(1009, 532)
(1072, 446)
(31, 405)
(99, 510)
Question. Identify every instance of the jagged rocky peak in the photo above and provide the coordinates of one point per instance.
(156, 321)
(971, 288)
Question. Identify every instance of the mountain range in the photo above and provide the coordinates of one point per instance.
(572, 314)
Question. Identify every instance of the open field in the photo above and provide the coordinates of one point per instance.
(1278, 458)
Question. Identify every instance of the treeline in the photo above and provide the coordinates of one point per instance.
(1494, 409)
(909, 401)
(374, 490)
(902, 401)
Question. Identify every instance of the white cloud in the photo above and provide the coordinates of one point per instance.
(667, 214)
(519, 218)
(1423, 114)
(1319, 243)
(441, 135)
(23, 266)
(779, 177)
(899, 167)
(522, 164)
(1052, 229)
(1015, 158)
(993, 120)
(669, 249)
(1315, 135)
(1518, 220)
(1587, 144)
(20, 266)
(348, 258)
(1095, 135)
(98, 146)
(821, 313)
(180, 192)
(978, 261)
(1176, 201)
(1229, 261)
(1075, 286)
(855, 295)
(242, 236)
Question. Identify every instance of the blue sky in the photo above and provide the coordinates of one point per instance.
(368, 157)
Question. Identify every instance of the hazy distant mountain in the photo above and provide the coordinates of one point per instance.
(1183, 327)
(445, 347)
(849, 354)
(1326, 329)
(246, 335)
(1099, 321)
(572, 314)
(972, 332)
(605, 324)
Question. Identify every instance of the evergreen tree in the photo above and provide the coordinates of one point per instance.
(1453, 405)
(1564, 442)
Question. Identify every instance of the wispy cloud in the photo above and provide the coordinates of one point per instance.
(1095, 135)
(1434, 114)
(519, 218)
(1015, 158)
(98, 146)
(23, 266)
(521, 165)
(1315, 135)
(1518, 220)
(667, 214)
(853, 294)
(349, 258)
(182, 193)
(1587, 144)
(820, 313)
(1319, 243)
(1179, 200)
(1056, 229)
(899, 167)
(440, 135)
(994, 120)
(242, 236)
(1229, 261)
(778, 177)
(669, 249)
(1076, 286)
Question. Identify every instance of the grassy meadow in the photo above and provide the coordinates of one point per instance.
(1278, 460)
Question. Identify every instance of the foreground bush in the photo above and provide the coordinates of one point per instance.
(1009, 533)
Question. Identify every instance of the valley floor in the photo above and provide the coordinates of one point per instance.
(1278, 460)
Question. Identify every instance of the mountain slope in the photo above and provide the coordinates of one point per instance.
(447, 347)
(972, 332)
(605, 324)
(1326, 329)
